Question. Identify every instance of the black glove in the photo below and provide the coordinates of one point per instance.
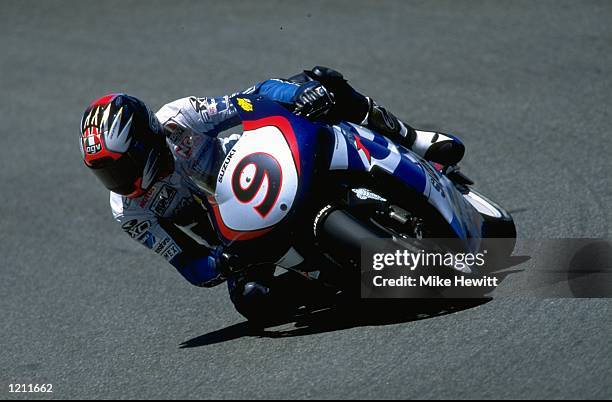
(313, 100)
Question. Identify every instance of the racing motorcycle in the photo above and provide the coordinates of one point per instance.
(306, 195)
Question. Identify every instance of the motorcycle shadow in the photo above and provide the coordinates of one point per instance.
(362, 313)
(337, 318)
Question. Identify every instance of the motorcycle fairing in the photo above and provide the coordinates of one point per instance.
(355, 149)
(358, 148)
(265, 173)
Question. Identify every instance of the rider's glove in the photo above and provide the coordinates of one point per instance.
(313, 100)
(212, 270)
(228, 264)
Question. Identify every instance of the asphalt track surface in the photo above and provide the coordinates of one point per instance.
(526, 84)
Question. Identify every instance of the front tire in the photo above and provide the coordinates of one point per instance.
(499, 229)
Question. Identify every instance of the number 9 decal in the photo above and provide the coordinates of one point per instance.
(258, 185)
(249, 177)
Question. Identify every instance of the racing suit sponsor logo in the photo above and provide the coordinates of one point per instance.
(185, 147)
(208, 107)
(245, 104)
(136, 230)
(174, 131)
(145, 198)
(200, 106)
(162, 200)
(171, 252)
(162, 245)
(167, 249)
(148, 239)
(212, 106)
(226, 162)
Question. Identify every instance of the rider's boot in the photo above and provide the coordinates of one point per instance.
(435, 147)
(351, 105)
(255, 296)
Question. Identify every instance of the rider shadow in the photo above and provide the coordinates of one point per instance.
(501, 265)
(374, 312)
(364, 313)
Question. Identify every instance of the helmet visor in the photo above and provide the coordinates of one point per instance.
(121, 175)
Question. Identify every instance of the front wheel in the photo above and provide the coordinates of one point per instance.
(499, 229)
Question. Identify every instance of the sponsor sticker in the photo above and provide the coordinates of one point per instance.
(145, 198)
(167, 248)
(171, 252)
(185, 147)
(161, 247)
(148, 239)
(245, 104)
(365, 194)
(174, 131)
(226, 162)
(91, 143)
(162, 200)
(135, 228)
(200, 106)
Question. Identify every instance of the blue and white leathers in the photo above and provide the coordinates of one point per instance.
(261, 176)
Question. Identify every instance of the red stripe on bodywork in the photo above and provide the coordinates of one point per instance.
(231, 234)
(362, 147)
(285, 128)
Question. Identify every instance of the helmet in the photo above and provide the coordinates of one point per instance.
(124, 144)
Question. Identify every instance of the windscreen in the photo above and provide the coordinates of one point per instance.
(206, 165)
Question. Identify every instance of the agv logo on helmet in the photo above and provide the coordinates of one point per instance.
(99, 134)
(91, 141)
(123, 144)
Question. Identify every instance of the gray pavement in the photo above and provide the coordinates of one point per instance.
(526, 84)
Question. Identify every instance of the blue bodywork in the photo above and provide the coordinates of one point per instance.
(359, 149)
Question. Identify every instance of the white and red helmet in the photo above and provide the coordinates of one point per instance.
(124, 145)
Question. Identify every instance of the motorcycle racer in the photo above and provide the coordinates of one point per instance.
(149, 162)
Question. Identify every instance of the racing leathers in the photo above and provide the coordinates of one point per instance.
(172, 214)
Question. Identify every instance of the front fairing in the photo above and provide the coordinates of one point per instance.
(264, 177)
(355, 149)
